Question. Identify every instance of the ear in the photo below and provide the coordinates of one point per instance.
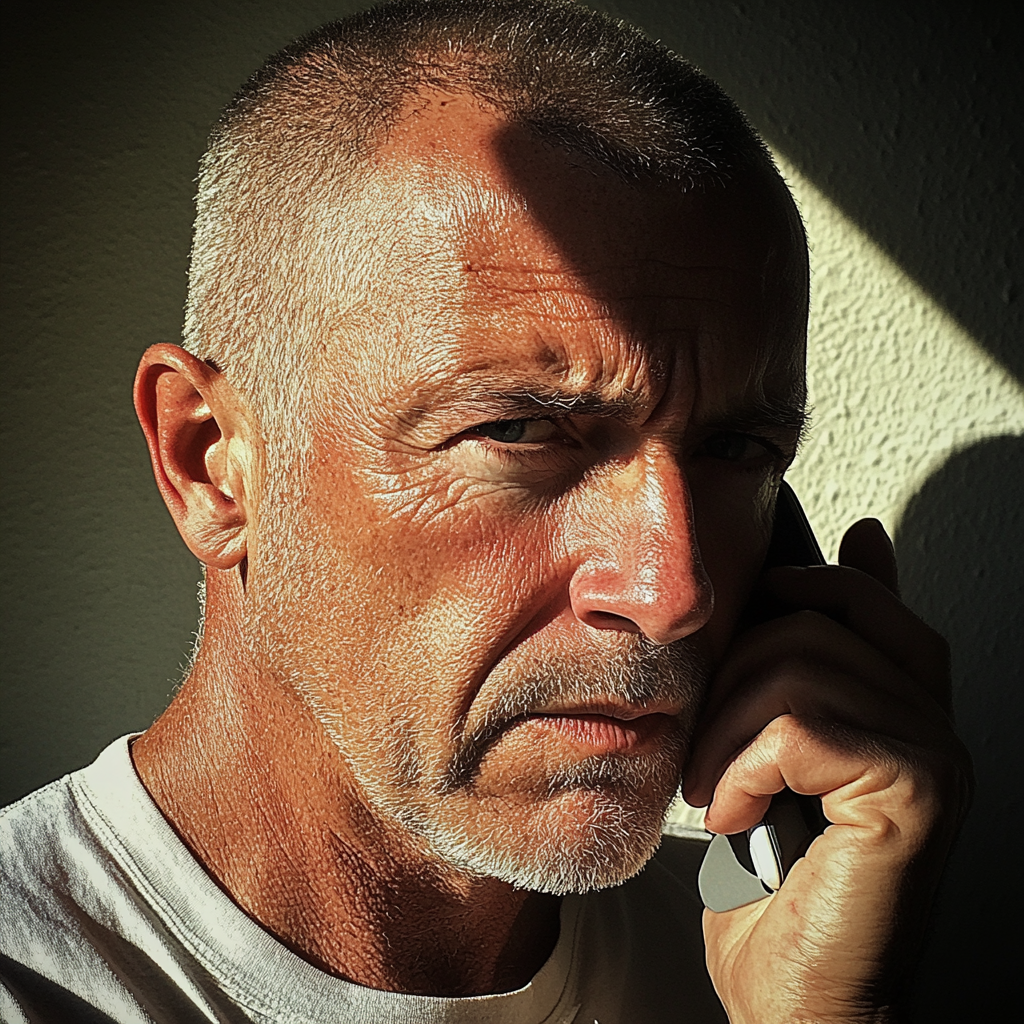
(198, 430)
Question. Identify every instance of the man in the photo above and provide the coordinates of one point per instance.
(493, 368)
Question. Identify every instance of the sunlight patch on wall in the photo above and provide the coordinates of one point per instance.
(896, 385)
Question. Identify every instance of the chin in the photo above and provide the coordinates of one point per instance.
(576, 840)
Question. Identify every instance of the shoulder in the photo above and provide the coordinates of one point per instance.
(36, 837)
(71, 911)
(56, 873)
(46, 834)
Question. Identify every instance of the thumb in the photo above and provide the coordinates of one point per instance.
(866, 546)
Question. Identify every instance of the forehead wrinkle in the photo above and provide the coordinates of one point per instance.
(590, 339)
(713, 281)
(500, 250)
(640, 296)
(624, 316)
(757, 399)
(485, 388)
(622, 308)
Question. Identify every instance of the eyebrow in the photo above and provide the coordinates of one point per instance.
(786, 413)
(477, 391)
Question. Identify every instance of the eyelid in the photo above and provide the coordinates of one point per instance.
(773, 448)
(557, 428)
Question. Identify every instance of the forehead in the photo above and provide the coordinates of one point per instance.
(496, 249)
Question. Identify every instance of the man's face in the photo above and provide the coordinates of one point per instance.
(552, 416)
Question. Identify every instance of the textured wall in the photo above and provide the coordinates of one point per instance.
(896, 385)
(899, 126)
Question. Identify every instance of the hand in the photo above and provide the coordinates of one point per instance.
(849, 700)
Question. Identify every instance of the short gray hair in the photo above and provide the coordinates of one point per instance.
(299, 133)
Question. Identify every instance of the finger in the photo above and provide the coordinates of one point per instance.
(810, 641)
(866, 693)
(864, 606)
(810, 757)
(863, 779)
(867, 547)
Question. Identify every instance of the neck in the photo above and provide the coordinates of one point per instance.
(267, 804)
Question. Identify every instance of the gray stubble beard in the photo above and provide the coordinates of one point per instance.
(622, 829)
(628, 794)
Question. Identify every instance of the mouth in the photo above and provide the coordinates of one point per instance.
(604, 729)
(563, 730)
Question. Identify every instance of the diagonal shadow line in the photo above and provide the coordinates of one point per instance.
(1010, 358)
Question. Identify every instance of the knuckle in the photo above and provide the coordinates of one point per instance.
(785, 729)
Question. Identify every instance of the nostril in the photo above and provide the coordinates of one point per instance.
(609, 620)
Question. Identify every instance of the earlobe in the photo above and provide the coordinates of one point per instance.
(197, 430)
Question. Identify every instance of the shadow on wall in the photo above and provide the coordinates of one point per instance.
(960, 547)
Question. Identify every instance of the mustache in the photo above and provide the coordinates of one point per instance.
(644, 673)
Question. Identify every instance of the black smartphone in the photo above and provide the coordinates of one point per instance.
(748, 866)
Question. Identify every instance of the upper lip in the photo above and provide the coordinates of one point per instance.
(609, 708)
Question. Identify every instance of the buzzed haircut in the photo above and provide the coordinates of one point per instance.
(297, 137)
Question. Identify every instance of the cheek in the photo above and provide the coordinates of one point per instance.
(414, 614)
(733, 526)
(469, 565)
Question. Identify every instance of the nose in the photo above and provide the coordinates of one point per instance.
(639, 567)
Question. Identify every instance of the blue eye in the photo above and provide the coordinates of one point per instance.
(505, 431)
(524, 432)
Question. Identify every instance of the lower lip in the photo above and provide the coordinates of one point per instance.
(600, 734)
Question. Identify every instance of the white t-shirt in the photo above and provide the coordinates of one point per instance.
(106, 916)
